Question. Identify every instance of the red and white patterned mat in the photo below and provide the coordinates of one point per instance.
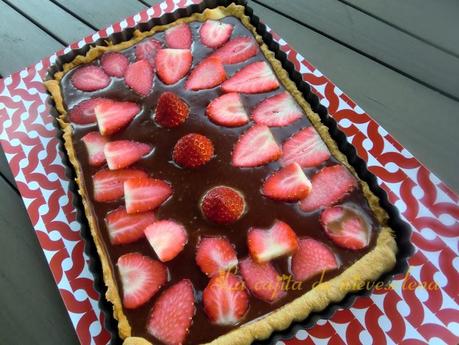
(421, 307)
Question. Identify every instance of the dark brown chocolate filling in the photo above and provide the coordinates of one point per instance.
(190, 184)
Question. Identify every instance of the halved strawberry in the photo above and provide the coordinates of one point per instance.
(147, 50)
(144, 194)
(84, 112)
(179, 37)
(193, 150)
(306, 148)
(223, 205)
(256, 147)
(263, 281)
(173, 64)
(277, 110)
(139, 77)
(114, 64)
(288, 184)
(237, 50)
(171, 110)
(122, 153)
(172, 313)
(215, 254)
(113, 115)
(167, 238)
(329, 186)
(95, 143)
(214, 33)
(254, 78)
(126, 228)
(267, 244)
(108, 184)
(141, 277)
(312, 258)
(346, 227)
(90, 78)
(227, 110)
(208, 74)
(225, 299)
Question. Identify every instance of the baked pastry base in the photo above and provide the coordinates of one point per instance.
(371, 266)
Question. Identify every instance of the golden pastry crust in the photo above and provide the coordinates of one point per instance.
(379, 260)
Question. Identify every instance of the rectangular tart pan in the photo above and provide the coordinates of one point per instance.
(402, 230)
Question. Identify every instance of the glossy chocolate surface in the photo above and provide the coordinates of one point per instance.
(190, 184)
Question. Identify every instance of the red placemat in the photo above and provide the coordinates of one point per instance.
(421, 307)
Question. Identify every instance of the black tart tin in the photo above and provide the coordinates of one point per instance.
(401, 229)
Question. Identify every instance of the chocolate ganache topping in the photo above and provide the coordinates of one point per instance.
(190, 184)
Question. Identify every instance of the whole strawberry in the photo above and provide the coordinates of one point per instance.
(193, 150)
(223, 205)
(171, 110)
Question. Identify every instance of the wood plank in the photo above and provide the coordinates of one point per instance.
(102, 13)
(22, 43)
(381, 42)
(5, 170)
(53, 19)
(434, 21)
(408, 110)
(32, 310)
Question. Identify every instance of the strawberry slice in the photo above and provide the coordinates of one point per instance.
(113, 115)
(167, 238)
(208, 74)
(145, 194)
(256, 147)
(227, 110)
(126, 228)
(312, 258)
(114, 64)
(139, 77)
(141, 277)
(346, 227)
(263, 280)
(288, 184)
(172, 313)
(173, 64)
(267, 244)
(237, 50)
(171, 110)
(179, 37)
(122, 153)
(306, 148)
(215, 254)
(329, 186)
(90, 78)
(277, 110)
(84, 112)
(225, 299)
(214, 33)
(147, 50)
(254, 78)
(95, 143)
(108, 184)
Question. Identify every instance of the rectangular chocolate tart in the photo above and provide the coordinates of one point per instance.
(221, 208)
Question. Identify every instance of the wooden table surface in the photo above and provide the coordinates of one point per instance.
(399, 60)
